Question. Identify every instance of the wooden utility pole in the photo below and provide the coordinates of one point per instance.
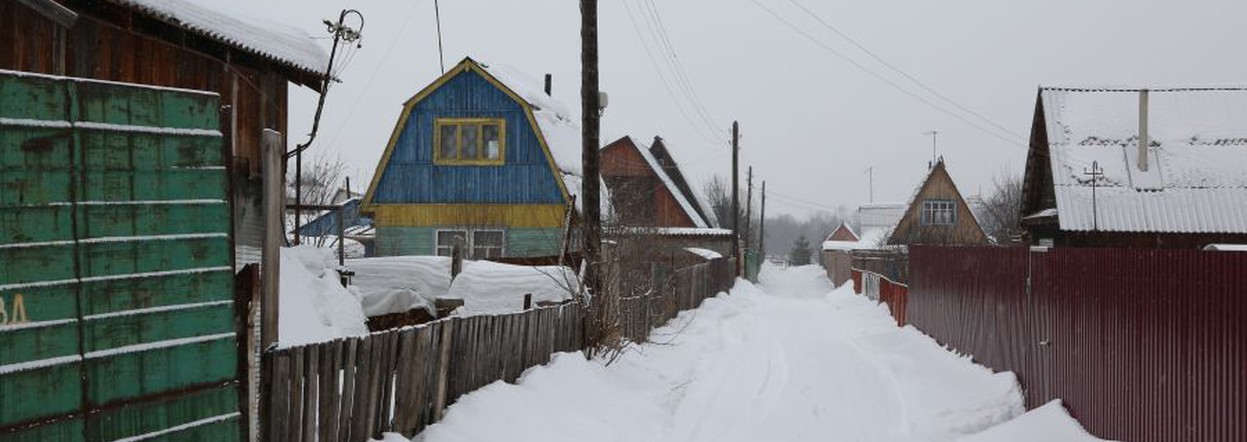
(590, 98)
(762, 225)
(736, 191)
(749, 209)
(274, 211)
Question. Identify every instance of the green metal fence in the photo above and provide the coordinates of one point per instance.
(116, 284)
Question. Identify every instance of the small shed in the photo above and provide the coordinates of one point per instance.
(938, 214)
(482, 155)
(1091, 182)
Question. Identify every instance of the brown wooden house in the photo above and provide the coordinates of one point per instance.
(1088, 183)
(937, 214)
(180, 44)
(648, 188)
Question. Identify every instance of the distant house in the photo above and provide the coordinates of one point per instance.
(182, 44)
(651, 197)
(482, 155)
(837, 258)
(1088, 183)
(649, 191)
(354, 226)
(937, 214)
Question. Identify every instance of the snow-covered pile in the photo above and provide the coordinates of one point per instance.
(786, 361)
(489, 287)
(1048, 423)
(399, 284)
(314, 306)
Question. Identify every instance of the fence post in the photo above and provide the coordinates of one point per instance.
(274, 236)
(443, 369)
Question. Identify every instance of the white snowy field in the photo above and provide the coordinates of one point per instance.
(788, 360)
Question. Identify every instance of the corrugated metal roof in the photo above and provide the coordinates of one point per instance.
(268, 38)
(1196, 181)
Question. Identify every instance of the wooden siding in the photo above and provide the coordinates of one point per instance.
(638, 194)
(842, 233)
(938, 186)
(411, 177)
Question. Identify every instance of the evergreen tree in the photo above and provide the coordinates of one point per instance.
(800, 254)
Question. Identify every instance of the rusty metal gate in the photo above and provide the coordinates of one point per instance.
(116, 284)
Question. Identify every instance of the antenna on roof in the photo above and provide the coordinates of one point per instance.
(1143, 138)
(934, 134)
(437, 13)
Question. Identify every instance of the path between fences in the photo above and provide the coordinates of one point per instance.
(401, 380)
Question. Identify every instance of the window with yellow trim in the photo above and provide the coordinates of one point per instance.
(469, 141)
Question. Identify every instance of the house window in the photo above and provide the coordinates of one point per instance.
(939, 213)
(446, 240)
(469, 141)
(477, 244)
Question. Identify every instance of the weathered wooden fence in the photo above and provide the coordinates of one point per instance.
(1141, 345)
(400, 380)
(673, 292)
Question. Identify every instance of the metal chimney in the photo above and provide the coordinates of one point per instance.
(549, 83)
(1143, 138)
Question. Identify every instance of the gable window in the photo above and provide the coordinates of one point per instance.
(477, 244)
(469, 141)
(939, 213)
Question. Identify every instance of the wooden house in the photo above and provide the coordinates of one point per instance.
(1090, 181)
(837, 257)
(482, 155)
(180, 44)
(937, 214)
(648, 188)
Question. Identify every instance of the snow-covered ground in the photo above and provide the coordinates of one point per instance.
(788, 360)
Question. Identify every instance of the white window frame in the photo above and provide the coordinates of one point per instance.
(469, 241)
(933, 207)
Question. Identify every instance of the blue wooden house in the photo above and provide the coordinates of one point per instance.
(482, 154)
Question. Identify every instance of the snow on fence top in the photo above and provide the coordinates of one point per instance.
(1196, 180)
(271, 39)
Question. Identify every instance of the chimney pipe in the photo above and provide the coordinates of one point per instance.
(1143, 138)
(549, 83)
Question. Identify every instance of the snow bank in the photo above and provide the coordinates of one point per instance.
(314, 305)
(490, 287)
(784, 361)
(1044, 424)
(400, 283)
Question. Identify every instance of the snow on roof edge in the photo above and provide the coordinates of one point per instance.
(670, 184)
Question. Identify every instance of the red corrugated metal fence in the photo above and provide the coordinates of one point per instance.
(1142, 345)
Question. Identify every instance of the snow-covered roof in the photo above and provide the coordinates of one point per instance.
(704, 253)
(879, 215)
(673, 231)
(842, 245)
(1196, 181)
(268, 38)
(562, 134)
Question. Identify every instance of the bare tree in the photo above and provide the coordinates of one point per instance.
(719, 194)
(1001, 209)
(322, 179)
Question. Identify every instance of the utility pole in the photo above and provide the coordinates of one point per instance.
(870, 179)
(590, 97)
(762, 224)
(736, 192)
(1095, 173)
(749, 209)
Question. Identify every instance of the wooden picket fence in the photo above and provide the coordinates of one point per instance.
(401, 380)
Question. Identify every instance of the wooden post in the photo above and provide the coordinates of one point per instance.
(456, 258)
(341, 236)
(443, 369)
(528, 301)
(762, 225)
(736, 192)
(749, 209)
(274, 210)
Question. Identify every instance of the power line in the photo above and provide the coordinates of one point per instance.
(791, 200)
(681, 74)
(882, 78)
(911, 78)
(701, 131)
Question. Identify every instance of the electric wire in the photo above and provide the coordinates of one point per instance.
(884, 79)
(677, 66)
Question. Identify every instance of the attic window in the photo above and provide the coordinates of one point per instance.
(469, 141)
(939, 213)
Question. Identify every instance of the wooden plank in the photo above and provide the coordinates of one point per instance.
(385, 402)
(326, 392)
(311, 393)
(331, 392)
(280, 405)
(442, 387)
(360, 404)
(346, 408)
(294, 427)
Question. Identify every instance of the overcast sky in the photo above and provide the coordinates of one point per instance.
(812, 122)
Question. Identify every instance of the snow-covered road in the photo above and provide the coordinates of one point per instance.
(788, 360)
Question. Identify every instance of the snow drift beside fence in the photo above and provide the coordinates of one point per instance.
(314, 305)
